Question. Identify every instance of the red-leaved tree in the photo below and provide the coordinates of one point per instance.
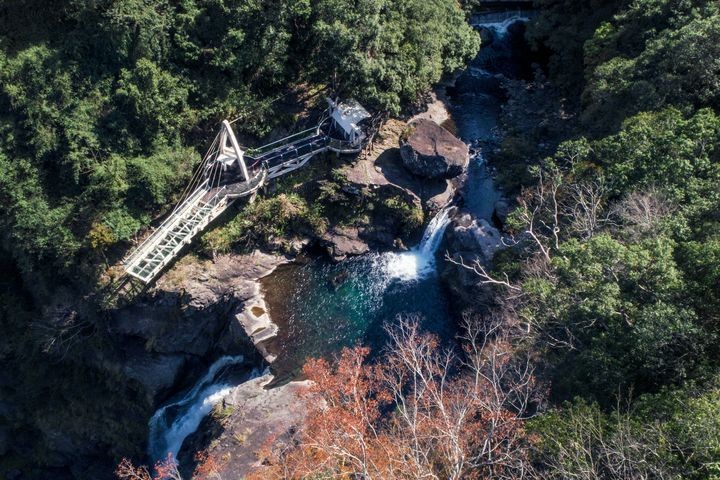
(419, 412)
(164, 470)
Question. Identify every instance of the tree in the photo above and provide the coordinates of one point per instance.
(671, 435)
(166, 469)
(654, 54)
(154, 100)
(389, 53)
(564, 26)
(411, 415)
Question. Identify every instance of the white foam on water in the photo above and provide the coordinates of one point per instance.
(420, 261)
(479, 72)
(501, 26)
(172, 423)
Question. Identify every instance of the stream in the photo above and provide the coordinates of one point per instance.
(321, 307)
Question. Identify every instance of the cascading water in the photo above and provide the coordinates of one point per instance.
(420, 261)
(322, 307)
(173, 422)
(500, 23)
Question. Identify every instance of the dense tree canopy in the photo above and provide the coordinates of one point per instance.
(105, 104)
(618, 242)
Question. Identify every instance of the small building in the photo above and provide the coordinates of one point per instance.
(348, 117)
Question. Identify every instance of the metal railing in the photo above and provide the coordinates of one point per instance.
(165, 242)
(192, 200)
(253, 152)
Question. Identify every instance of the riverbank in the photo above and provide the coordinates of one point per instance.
(319, 306)
(272, 299)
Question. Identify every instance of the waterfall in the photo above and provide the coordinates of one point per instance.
(173, 422)
(420, 261)
(434, 233)
(500, 23)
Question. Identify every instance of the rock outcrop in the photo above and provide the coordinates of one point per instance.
(342, 242)
(501, 210)
(383, 169)
(430, 151)
(471, 240)
(187, 319)
(243, 423)
(229, 283)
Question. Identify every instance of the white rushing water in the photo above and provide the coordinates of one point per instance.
(499, 22)
(172, 423)
(420, 261)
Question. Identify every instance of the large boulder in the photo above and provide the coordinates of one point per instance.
(254, 415)
(430, 151)
(470, 240)
(474, 237)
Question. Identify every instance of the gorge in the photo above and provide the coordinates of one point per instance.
(321, 306)
(517, 277)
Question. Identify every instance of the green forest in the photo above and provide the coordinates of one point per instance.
(623, 281)
(106, 107)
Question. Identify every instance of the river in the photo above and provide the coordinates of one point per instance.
(322, 307)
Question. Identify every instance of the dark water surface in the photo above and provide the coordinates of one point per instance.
(321, 307)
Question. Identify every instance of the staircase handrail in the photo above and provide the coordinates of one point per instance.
(200, 190)
(271, 146)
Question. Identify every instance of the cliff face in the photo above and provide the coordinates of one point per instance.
(73, 415)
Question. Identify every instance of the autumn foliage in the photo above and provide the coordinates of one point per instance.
(164, 470)
(208, 468)
(420, 412)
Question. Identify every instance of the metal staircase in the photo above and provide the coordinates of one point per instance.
(189, 218)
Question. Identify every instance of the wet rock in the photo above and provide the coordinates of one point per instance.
(338, 279)
(487, 36)
(441, 199)
(478, 80)
(254, 415)
(156, 373)
(343, 242)
(430, 151)
(501, 211)
(476, 236)
(469, 239)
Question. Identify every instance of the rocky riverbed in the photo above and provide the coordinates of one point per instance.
(200, 310)
(415, 159)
